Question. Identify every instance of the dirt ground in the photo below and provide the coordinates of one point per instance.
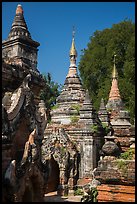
(53, 197)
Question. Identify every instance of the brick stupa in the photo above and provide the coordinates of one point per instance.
(72, 94)
(114, 104)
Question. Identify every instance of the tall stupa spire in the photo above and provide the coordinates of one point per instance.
(73, 51)
(19, 47)
(19, 26)
(114, 101)
(73, 57)
(72, 93)
(114, 92)
(114, 72)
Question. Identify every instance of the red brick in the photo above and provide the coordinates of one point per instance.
(116, 193)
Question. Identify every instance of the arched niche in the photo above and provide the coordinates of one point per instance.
(58, 148)
(54, 173)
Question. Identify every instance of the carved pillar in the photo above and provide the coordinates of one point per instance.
(71, 179)
(88, 165)
(62, 188)
(62, 176)
(73, 172)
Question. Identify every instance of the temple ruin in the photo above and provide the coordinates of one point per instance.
(79, 146)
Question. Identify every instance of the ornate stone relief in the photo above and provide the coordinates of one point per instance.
(64, 152)
(19, 174)
(19, 106)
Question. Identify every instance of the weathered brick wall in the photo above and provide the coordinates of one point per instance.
(120, 171)
(116, 193)
(123, 136)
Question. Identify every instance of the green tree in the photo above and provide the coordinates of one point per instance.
(96, 64)
(49, 93)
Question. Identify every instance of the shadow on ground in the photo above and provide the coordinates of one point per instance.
(53, 197)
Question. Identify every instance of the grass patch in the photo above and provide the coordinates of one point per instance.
(128, 155)
(54, 107)
(106, 128)
(76, 107)
(123, 166)
(74, 119)
(94, 128)
(78, 191)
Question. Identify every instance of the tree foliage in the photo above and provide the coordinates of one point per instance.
(96, 64)
(49, 93)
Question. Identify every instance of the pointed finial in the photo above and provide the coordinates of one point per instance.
(114, 58)
(19, 9)
(114, 73)
(73, 49)
(73, 32)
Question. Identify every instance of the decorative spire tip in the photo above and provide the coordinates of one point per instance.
(114, 73)
(73, 49)
(73, 32)
(115, 58)
(19, 9)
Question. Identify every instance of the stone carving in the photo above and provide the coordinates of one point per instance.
(26, 82)
(5, 125)
(110, 149)
(18, 176)
(10, 173)
(30, 150)
(6, 99)
(41, 118)
(20, 105)
(64, 152)
(56, 142)
(17, 99)
(10, 182)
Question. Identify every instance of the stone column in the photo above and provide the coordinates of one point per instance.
(62, 188)
(71, 177)
(88, 156)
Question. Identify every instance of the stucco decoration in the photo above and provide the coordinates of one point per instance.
(64, 152)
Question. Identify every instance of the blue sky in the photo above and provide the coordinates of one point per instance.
(51, 24)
